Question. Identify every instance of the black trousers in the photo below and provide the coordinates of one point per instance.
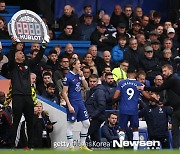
(94, 131)
(175, 128)
(163, 140)
(22, 104)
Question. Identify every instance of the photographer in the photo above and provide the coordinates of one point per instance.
(42, 127)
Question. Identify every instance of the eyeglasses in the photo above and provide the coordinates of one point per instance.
(65, 61)
(159, 79)
(149, 51)
(128, 10)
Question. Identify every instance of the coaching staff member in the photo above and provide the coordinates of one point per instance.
(172, 85)
(96, 105)
(22, 101)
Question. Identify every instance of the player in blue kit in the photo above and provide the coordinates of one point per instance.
(75, 106)
(128, 104)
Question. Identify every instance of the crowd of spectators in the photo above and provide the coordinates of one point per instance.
(126, 39)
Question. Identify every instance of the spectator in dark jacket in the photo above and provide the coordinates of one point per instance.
(50, 93)
(69, 17)
(3, 29)
(53, 60)
(87, 27)
(102, 38)
(47, 78)
(150, 64)
(109, 27)
(105, 62)
(167, 58)
(87, 10)
(117, 16)
(69, 33)
(3, 7)
(133, 55)
(95, 104)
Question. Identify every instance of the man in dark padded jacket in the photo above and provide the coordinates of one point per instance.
(95, 104)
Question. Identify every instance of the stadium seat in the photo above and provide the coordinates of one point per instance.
(12, 9)
(7, 16)
(81, 47)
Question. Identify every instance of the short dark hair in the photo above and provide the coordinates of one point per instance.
(47, 74)
(88, 5)
(94, 76)
(52, 52)
(122, 37)
(168, 66)
(109, 73)
(157, 14)
(112, 113)
(86, 67)
(52, 85)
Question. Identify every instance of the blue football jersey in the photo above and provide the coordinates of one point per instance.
(73, 81)
(128, 100)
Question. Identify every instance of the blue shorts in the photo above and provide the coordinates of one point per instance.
(80, 114)
(124, 118)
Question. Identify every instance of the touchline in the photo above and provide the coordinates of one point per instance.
(121, 143)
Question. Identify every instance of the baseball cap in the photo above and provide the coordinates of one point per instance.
(88, 15)
(136, 23)
(121, 25)
(170, 30)
(101, 24)
(148, 48)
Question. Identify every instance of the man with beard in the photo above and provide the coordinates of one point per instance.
(110, 87)
(172, 85)
(50, 93)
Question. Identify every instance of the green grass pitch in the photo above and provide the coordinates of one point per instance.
(93, 152)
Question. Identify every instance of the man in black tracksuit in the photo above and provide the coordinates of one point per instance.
(172, 85)
(21, 90)
(156, 117)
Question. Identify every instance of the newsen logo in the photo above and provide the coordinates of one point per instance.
(149, 144)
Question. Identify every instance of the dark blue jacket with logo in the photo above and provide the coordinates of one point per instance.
(156, 119)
